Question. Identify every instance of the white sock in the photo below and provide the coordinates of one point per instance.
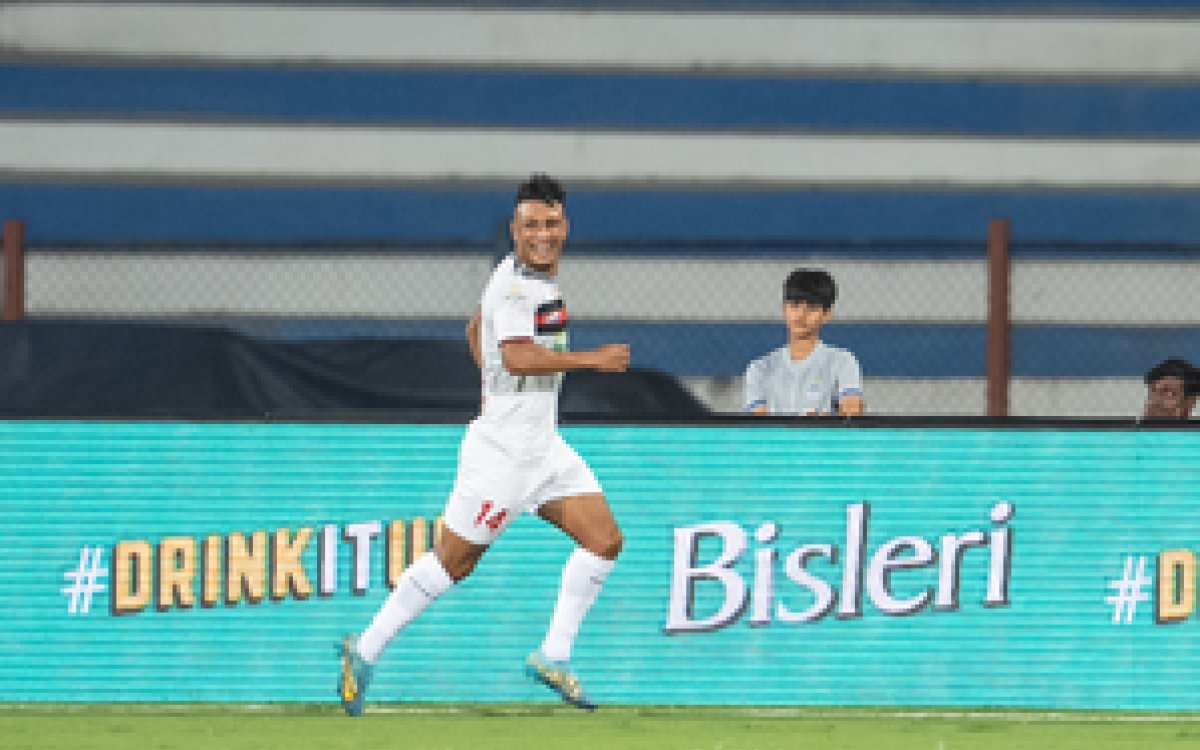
(424, 581)
(582, 577)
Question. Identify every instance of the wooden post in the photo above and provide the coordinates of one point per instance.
(14, 270)
(999, 328)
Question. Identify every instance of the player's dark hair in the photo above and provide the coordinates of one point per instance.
(541, 187)
(1175, 368)
(810, 285)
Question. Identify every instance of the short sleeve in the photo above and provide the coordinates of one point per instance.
(514, 316)
(848, 376)
(755, 392)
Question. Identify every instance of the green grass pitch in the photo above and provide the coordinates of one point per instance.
(216, 727)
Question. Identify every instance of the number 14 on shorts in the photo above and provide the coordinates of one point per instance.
(494, 520)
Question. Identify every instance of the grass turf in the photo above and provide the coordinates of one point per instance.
(207, 727)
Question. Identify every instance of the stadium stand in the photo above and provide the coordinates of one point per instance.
(328, 175)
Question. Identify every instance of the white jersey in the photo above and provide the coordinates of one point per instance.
(811, 386)
(520, 412)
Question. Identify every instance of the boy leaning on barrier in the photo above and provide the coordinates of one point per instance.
(806, 377)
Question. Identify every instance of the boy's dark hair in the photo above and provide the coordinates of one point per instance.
(810, 285)
(1178, 368)
(541, 187)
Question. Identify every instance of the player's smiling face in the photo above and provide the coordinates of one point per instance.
(539, 230)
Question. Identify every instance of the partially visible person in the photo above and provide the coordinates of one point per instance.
(807, 377)
(1172, 387)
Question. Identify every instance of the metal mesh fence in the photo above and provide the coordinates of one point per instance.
(1087, 321)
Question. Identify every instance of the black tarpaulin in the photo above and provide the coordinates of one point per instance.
(81, 369)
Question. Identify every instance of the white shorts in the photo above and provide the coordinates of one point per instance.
(491, 489)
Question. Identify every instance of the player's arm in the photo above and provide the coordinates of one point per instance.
(526, 357)
(473, 327)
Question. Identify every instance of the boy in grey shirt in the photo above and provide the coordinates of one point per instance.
(807, 377)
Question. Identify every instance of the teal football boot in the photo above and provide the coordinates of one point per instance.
(557, 676)
(354, 679)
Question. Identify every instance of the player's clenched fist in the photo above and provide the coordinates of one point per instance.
(611, 358)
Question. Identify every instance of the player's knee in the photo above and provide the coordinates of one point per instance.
(458, 558)
(609, 544)
(460, 568)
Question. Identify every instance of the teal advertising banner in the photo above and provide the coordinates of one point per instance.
(764, 565)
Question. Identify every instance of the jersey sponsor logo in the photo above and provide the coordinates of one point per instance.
(516, 292)
(551, 317)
